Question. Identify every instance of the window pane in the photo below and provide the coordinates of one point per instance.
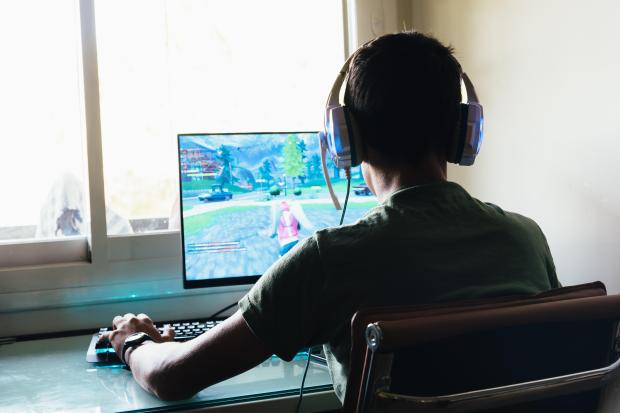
(41, 128)
(170, 67)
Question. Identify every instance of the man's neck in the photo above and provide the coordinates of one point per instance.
(384, 180)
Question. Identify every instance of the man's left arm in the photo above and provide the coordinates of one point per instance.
(173, 370)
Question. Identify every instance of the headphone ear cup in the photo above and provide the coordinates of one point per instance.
(337, 136)
(455, 147)
(355, 138)
(473, 134)
(342, 139)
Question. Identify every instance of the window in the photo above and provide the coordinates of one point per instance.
(41, 127)
(90, 112)
(170, 67)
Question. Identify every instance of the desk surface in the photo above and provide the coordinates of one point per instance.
(52, 375)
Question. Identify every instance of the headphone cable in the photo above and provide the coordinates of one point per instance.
(347, 172)
(303, 380)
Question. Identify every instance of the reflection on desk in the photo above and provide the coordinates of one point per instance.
(51, 375)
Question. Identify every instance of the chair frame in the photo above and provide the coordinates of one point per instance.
(387, 330)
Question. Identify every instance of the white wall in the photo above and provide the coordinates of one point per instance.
(368, 19)
(548, 74)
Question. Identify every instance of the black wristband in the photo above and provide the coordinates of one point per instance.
(132, 341)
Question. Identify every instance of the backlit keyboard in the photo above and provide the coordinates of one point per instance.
(102, 352)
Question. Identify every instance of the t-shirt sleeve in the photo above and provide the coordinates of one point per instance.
(279, 308)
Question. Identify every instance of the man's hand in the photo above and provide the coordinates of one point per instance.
(174, 371)
(129, 324)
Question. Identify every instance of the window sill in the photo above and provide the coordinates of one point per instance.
(90, 308)
(142, 273)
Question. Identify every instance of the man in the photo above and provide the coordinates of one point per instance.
(428, 241)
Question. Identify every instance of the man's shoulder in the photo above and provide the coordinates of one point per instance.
(371, 223)
(513, 217)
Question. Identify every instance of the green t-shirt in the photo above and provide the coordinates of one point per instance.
(424, 244)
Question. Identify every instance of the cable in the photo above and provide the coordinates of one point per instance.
(347, 172)
(303, 381)
(346, 198)
(221, 311)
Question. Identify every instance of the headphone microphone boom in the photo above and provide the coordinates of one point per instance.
(342, 138)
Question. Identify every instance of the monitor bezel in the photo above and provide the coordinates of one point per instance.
(214, 282)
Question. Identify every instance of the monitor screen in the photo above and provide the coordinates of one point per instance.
(247, 199)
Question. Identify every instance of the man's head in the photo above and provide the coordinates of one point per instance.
(404, 90)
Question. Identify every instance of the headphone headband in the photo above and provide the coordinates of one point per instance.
(333, 98)
(343, 141)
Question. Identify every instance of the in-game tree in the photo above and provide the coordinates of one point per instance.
(293, 163)
(302, 148)
(313, 168)
(264, 171)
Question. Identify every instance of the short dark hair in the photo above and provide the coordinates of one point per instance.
(404, 91)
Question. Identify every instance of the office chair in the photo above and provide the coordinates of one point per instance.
(552, 352)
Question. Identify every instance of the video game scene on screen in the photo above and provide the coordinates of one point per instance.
(247, 199)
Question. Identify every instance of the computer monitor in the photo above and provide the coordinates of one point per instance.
(248, 198)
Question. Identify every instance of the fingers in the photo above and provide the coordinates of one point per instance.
(131, 320)
(153, 332)
(117, 320)
(168, 334)
(145, 318)
(104, 337)
(141, 322)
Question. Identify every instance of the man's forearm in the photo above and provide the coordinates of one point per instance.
(174, 371)
(155, 366)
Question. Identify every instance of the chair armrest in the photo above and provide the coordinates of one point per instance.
(514, 393)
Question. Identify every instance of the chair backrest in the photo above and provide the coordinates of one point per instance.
(425, 358)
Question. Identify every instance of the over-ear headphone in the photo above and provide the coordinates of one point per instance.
(342, 136)
(465, 145)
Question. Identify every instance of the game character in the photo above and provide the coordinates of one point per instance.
(286, 224)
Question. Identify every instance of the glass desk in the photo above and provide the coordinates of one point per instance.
(52, 375)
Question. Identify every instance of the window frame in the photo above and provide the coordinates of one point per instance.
(99, 268)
